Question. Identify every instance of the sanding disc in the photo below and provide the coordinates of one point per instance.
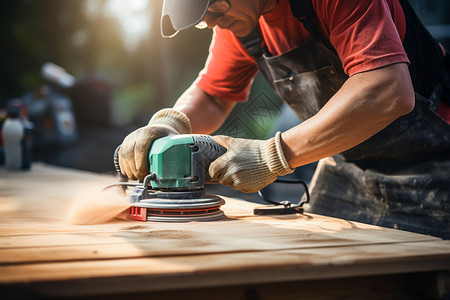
(206, 208)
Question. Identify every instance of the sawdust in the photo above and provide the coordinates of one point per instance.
(7, 206)
(91, 206)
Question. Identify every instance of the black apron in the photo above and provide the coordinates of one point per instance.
(400, 177)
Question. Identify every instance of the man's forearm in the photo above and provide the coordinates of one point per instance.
(205, 112)
(365, 104)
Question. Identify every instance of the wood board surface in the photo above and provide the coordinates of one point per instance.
(39, 245)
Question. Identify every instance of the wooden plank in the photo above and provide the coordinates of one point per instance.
(313, 229)
(372, 287)
(234, 268)
(38, 245)
(240, 232)
(190, 238)
(141, 249)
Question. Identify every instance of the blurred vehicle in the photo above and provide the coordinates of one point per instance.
(63, 105)
(50, 109)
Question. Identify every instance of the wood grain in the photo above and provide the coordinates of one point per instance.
(38, 245)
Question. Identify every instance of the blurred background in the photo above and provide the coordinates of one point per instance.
(120, 71)
(111, 70)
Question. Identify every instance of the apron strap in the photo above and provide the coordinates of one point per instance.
(254, 44)
(428, 69)
(303, 10)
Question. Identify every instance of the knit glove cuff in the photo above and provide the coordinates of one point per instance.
(172, 118)
(249, 165)
(274, 156)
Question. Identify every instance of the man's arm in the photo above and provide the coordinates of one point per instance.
(205, 112)
(365, 104)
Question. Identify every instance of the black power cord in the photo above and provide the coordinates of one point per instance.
(283, 207)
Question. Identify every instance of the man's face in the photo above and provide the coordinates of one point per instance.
(241, 18)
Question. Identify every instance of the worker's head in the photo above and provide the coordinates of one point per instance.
(238, 16)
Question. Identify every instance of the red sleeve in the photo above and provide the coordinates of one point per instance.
(229, 70)
(365, 33)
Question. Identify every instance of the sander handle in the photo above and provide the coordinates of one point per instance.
(122, 178)
(205, 151)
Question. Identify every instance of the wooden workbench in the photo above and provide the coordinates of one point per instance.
(241, 257)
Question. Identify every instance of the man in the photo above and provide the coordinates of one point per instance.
(373, 112)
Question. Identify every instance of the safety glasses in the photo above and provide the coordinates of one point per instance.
(216, 9)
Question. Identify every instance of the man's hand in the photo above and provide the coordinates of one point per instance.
(249, 165)
(133, 154)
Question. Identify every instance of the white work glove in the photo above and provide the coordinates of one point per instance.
(133, 153)
(249, 165)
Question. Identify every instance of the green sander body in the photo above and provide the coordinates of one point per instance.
(175, 188)
(182, 161)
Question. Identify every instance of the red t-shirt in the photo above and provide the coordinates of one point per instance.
(367, 34)
(368, 37)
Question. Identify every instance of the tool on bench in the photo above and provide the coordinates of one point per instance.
(174, 190)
